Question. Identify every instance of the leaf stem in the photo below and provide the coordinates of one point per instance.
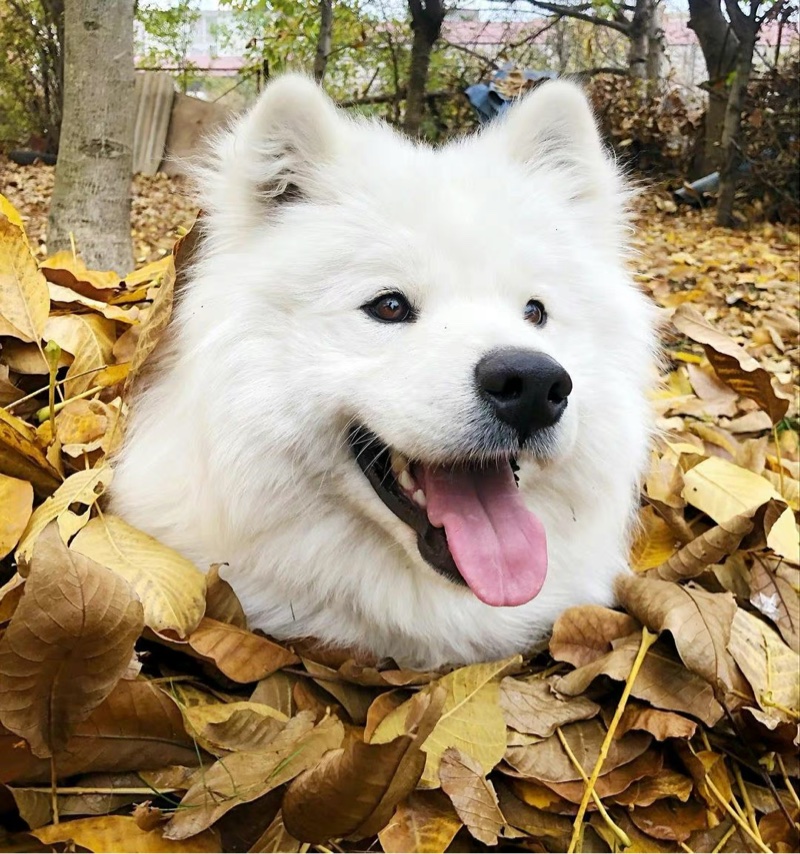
(615, 828)
(748, 806)
(648, 639)
(54, 789)
(44, 413)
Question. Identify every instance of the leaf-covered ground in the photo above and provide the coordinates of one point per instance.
(139, 713)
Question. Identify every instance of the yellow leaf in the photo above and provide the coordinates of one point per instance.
(723, 490)
(121, 834)
(171, 588)
(11, 213)
(16, 505)
(90, 339)
(83, 487)
(471, 719)
(22, 455)
(654, 542)
(24, 300)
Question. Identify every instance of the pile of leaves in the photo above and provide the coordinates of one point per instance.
(140, 712)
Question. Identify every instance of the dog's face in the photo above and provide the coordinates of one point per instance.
(434, 321)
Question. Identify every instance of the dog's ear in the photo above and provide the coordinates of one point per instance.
(553, 128)
(277, 151)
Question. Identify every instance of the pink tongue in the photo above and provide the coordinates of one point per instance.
(498, 545)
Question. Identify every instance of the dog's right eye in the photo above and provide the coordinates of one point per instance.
(390, 308)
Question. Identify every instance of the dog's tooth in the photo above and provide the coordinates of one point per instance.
(420, 499)
(406, 481)
(399, 463)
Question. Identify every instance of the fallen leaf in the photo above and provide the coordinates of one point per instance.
(83, 487)
(171, 588)
(584, 634)
(23, 457)
(471, 719)
(84, 426)
(233, 726)
(535, 822)
(67, 645)
(276, 838)
(472, 795)
(777, 600)
(547, 760)
(661, 725)
(769, 665)
(244, 776)
(425, 822)
(662, 681)
(354, 699)
(89, 338)
(654, 541)
(24, 300)
(668, 819)
(221, 601)
(732, 364)
(723, 490)
(706, 767)
(276, 692)
(16, 506)
(643, 793)
(69, 271)
(354, 790)
(530, 706)
(120, 833)
(700, 623)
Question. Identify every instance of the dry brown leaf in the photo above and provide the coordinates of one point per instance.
(276, 839)
(276, 692)
(221, 602)
(700, 623)
(369, 676)
(83, 487)
(353, 791)
(137, 727)
(669, 819)
(777, 600)
(425, 822)
(121, 834)
(769, 665)
(648, 765)
(24, 300)
(382, 706)
(16, 506)
(472, 796)
(171, 588)
(244, 776)
(718, 543)
(661, 725)
(68, 643)
(547, 760)
(10, 596)
(233, 726)
(471, 720)
(530, 706)
(662, 681)
(585, 633)
(8, 391)
(354, 699)
(643, 793)
(732, 364)
(22, 456)
(241, 655)
(69, 271)
(535, 822)
(705, 766)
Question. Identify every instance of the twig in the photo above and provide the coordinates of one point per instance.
(615, 829)
(748, 806)
(54, 789)
(648, 639)
(721, 844)
(787, 781)
(740, 822)
(98, 790)
(44, 413)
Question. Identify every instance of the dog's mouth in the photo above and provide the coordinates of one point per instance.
(471, 523)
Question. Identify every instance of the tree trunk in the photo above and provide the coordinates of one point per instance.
(731, 137)
(720, 49)
(641, 28)
(426, 22)
(655, 46)
(92, 193)
(324, 40)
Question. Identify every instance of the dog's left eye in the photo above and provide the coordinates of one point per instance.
(390, 308)
(535, 312)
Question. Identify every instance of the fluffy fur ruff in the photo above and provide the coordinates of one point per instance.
(237, 451)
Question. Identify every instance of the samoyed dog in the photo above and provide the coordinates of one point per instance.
(404, 391)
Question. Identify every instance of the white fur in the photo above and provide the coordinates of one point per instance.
(236, 449)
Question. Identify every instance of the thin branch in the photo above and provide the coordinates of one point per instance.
(571, 12)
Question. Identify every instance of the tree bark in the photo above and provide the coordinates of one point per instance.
(324, 40)
(730, 148)
(720, 47)
(92, 193)
(655, 45)
(639, 44)
(426, 23)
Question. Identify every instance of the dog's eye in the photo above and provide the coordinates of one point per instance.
(535, 313)
(390, 308)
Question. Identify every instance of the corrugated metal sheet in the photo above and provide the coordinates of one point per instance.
(155, 91)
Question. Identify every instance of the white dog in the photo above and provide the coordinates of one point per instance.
(376, 342)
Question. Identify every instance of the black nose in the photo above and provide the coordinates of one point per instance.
(526, 389)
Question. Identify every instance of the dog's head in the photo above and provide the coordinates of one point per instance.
(411, 326)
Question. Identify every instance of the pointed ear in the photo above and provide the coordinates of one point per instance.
(553, 128)
(277, 151)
